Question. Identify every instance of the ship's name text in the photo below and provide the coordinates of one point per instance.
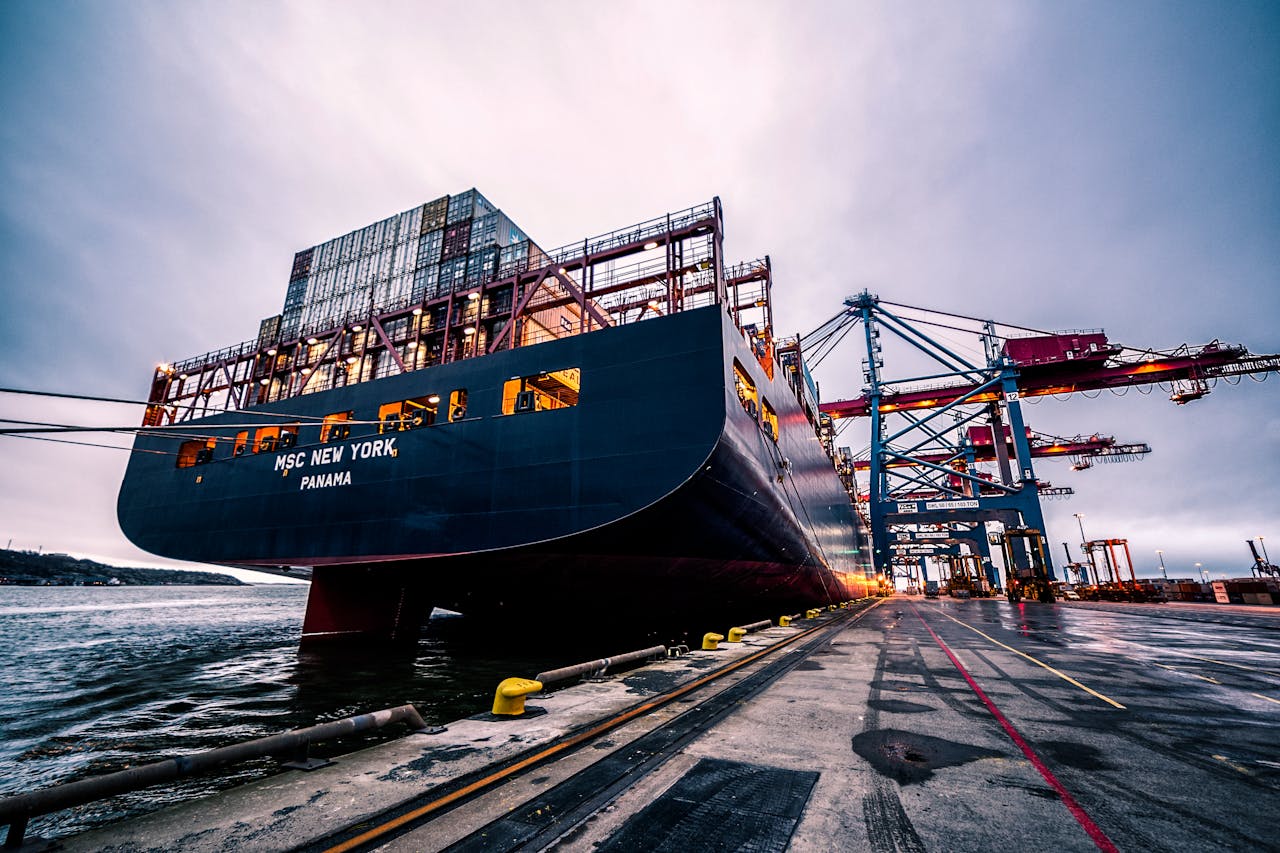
(371, 449)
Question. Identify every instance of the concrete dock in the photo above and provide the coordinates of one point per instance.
(903, 724)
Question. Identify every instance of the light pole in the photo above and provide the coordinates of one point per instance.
(1263, 545)
(1163, 573)
(1204, 576)
(1084, 553)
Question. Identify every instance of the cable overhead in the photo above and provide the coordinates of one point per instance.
(97, 399)
(88, 444)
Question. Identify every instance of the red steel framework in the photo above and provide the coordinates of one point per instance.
(1187, 368)
(661, 266)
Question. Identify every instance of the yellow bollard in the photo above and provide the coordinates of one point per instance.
(811, 614)
(509, 700)
(711, 641)
(784, 621)
(831, 607)
(736, 634)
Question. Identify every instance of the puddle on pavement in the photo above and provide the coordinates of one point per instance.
(910, 758)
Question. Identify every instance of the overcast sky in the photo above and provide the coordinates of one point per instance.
(1057, 165)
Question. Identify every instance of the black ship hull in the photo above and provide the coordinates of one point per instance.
(657, 497)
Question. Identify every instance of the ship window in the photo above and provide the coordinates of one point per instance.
(408, 414)
(554, 389)
(197, 451)
(768, 418)
(457, 405)
(264, 440)
(746, 389)
(335, 427)
(242, 443)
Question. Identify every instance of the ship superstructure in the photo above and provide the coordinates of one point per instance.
(445, 414)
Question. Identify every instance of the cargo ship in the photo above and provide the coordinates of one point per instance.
(446, 415)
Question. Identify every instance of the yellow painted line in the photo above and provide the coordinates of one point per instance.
(1268, 698)
(1236, 767)
(1192, 674)
(1176, 653)
(1226, 663)
(1056, 672)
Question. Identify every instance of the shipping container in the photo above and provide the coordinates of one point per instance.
(453, 274)
(508, 233)
(269, 331)
(430, 247)
(302, 263)
(434, 214)
(484, 231)
(425, 283)
(482, 266)
(461, 206)
(457, 240)
(404, 258)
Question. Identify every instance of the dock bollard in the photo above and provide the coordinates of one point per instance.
(509, 700)
(711, 641)
(811, 614)
(736, 634)
(784, 621)
(831, 607)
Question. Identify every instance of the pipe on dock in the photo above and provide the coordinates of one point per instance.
(594, 667)
(759, 626)
(15, 811)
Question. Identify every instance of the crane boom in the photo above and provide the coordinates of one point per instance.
(1050, 364)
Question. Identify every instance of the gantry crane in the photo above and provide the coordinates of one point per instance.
(921, 472)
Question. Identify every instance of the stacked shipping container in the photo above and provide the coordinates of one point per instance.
(441, 247)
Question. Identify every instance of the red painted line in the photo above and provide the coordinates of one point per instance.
(1095, 832)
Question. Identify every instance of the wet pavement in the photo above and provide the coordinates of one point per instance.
(917, 725)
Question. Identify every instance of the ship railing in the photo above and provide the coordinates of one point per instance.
(16, 811)
(225, 354)
(616, 291)
(634, 233)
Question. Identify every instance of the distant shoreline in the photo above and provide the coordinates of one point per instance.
(28, 568)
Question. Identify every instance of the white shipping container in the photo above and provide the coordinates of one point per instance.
(385, 258)
(410, 223)
(406, 258)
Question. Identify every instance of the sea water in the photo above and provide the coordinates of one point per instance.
(97, 679)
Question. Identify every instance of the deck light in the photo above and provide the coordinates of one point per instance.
(417, 312)
(182, 376)
(652, 244)
(469, 330)
(306, 371)
(473, 296)
(433, 399)
(413, 344)
(313, 341)
(351, 359)
(271, 351)
(653, 303)
(356, 328)
(264, 381)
